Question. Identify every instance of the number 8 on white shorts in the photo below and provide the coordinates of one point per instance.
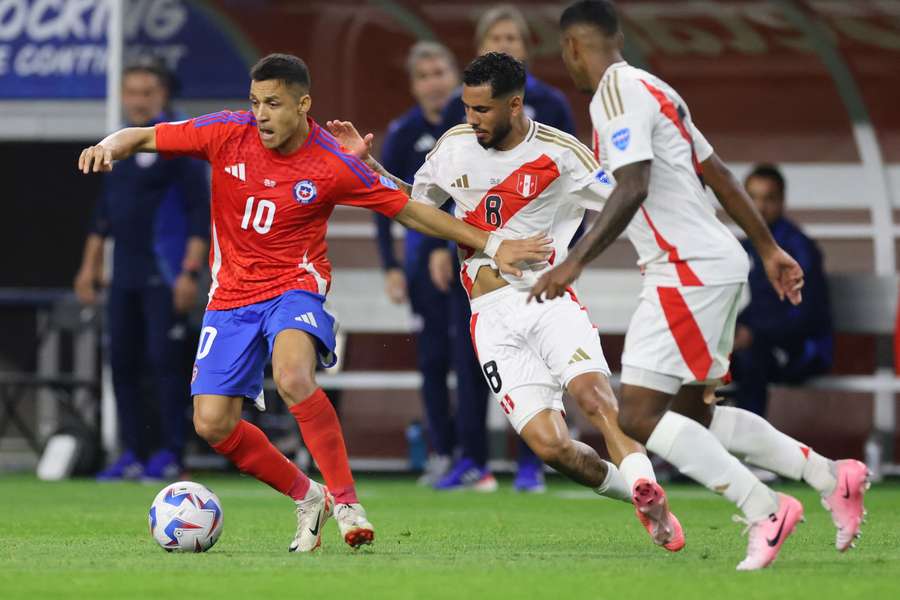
(530, 352)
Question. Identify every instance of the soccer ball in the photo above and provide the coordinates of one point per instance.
(186, 517)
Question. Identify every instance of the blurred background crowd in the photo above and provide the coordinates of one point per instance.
(103, 279)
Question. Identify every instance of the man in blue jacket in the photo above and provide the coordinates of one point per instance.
(502, 28)
(433, 77)
(157, 213)
(775, 341)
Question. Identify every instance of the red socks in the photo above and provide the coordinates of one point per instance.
(322, 434)
(252, 452)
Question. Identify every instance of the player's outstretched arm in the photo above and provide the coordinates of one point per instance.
(632, 183)
(506, 253)
(784, 273)
(116, 146)
(361, 147)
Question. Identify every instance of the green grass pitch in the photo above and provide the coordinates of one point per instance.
(79, 539)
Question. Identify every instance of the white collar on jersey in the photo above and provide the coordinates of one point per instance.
(613, 66)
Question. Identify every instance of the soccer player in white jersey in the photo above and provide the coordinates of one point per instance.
(512, 176)
(694, 270)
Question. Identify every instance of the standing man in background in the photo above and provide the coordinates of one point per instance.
(776, 341)
(502, 28)
(433, 76)
(157, 212)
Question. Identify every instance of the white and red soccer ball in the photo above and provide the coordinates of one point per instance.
(186, 517)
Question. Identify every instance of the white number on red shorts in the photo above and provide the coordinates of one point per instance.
(207, 335)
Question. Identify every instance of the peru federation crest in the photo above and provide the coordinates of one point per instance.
(527, 184)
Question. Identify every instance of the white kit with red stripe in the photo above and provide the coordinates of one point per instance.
(694, 268)
(529, 352)
(543, 184)
(678, 238)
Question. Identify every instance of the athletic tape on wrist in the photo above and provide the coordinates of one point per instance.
(492, 245)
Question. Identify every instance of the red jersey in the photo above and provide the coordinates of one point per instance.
(270, 211)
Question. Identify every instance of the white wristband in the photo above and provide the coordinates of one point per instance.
(492, 245)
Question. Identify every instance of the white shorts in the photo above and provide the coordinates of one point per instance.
(530, 352)
(681, 336)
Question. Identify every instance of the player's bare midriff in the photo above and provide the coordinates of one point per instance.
(487, 280)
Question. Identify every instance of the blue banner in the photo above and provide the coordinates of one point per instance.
(57, 48)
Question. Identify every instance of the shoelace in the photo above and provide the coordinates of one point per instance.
(346, 508)
(304, 507)
(747, 524)
(748, 527)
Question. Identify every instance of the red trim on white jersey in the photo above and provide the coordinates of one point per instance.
(670, 112)
(472, 323)
(518, 189)
(686, 275)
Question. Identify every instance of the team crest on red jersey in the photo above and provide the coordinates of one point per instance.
(527, 184)
(305, 191)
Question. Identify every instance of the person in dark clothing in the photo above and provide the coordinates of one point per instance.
(157, 213)
(433, 77)
(502, 28)
(775, 341)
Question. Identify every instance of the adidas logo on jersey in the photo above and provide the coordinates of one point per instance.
(307, 318)
(238, 171)
(462, 182)
(579, 356)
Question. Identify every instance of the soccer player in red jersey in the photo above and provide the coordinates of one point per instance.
(276, 177)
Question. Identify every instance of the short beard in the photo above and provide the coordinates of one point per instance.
(500, 134)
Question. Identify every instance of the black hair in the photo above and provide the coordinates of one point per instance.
(502, 71)
(284, 67)
(770, 172)
(599, 13)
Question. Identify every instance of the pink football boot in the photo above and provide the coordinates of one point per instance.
(845, 503)
(652, 508)
(768, 534)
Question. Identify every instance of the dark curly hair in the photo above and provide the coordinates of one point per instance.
(505, 74)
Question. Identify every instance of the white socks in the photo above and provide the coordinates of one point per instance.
(614, 486)
(636, 466)
(696, 452)
(750, 437)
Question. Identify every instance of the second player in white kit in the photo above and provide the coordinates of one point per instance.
(682, 333)
(694, 268)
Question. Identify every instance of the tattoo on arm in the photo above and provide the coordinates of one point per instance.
(376, 166)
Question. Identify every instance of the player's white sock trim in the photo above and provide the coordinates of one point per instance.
(696, 452)
(750, 437)
(636, 466)
(820, 473)
(614, 486)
